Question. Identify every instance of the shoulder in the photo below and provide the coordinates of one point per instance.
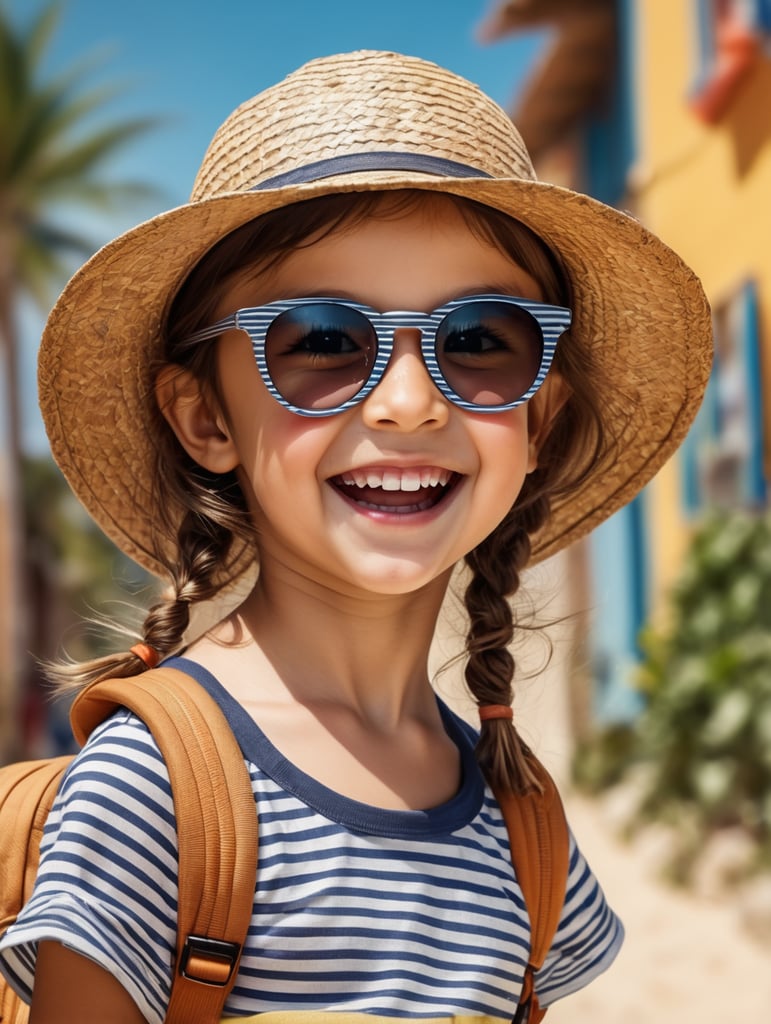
(120, 752)
(465, 734)
(588, 938)
(107, 882)
(117, 786)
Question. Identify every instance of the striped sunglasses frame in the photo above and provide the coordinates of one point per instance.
(256, 321)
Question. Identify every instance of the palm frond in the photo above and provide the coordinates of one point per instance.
(82, 158)
(54, 151)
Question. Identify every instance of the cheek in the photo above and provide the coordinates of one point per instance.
(504, 445)
(280, 456)
(259, 427)
(505, 460)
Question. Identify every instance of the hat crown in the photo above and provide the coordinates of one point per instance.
(362, 102)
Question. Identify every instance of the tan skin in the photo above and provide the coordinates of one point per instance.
(338, 592)
(69, 987)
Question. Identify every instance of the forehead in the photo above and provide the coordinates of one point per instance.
(413, 256)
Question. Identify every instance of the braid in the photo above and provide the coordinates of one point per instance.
(205, 546)
(496, 564)
(202, 548)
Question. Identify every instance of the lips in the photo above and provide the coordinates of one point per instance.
(395, 489)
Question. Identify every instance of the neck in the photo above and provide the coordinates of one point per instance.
(316, 646)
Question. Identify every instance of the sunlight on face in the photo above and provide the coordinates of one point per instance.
(385, 497)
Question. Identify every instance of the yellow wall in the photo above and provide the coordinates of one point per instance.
(706, 190)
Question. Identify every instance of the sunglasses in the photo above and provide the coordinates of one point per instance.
(319, 356)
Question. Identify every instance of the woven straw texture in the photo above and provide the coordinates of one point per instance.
(635, 302)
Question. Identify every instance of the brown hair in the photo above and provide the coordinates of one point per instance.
(216, 526)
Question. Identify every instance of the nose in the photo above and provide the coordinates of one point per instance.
(406, 397)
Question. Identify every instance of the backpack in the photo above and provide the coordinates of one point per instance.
(217, 836)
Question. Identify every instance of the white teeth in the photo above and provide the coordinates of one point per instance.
(401, 480)
(397, 479)
(411, 480)
(392, 480)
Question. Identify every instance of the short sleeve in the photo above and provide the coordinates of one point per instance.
(107, 883)
(588, 938)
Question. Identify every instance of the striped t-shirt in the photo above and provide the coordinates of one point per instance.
(403, 914)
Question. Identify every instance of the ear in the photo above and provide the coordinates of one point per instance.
(192, 414)
(542, 410)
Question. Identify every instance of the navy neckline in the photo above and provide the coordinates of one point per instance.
(354, 815)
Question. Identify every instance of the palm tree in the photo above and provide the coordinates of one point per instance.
(51, 155)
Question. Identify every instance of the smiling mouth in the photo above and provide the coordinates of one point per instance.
(402, 491)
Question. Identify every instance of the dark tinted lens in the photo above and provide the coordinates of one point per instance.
(489, 352)
(320, 354)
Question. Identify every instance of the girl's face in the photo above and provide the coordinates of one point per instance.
(385, 497)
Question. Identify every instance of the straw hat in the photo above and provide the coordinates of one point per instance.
(358, 122)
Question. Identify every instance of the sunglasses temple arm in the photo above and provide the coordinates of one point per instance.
(209, 333)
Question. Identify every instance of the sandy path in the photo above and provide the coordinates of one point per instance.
(684, 961)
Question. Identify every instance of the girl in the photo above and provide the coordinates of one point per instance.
(372, 346)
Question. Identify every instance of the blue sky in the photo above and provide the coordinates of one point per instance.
(190, 62)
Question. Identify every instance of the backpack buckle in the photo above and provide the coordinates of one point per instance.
(208, 961)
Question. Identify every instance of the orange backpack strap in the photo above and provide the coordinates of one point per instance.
(216, 827)
(27, 790)
(540, 852)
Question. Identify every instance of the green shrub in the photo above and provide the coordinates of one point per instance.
(705, 734)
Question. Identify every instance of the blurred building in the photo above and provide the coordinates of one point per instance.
(663, 108)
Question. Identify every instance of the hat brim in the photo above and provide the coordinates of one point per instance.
(634, 302)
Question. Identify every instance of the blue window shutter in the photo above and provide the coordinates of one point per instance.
(700, 438)
(755, 483)
(732, 410)
(609, 138)
(760, 11)
(705, 28)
